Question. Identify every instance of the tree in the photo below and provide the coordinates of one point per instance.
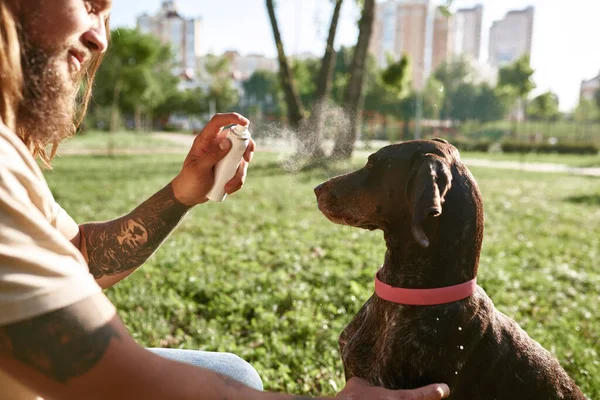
(597, 98)
(311, 136)
(295, 107)
(452, 74)
(490, 104)
(397, 76)
(346, 139)
(324, 86)
(517, 78)
(221, 92)
(433, 98)
(544, 107)
(263, 92)
(135, 76)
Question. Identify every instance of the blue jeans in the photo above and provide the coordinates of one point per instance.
(224, 363)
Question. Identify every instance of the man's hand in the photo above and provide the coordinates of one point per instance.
(359, 389)
(197, 177)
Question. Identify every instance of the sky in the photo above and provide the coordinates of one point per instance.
(564, 51)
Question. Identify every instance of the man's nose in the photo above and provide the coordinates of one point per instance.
(96, 38)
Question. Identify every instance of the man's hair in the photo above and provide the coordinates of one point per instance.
(11, 85)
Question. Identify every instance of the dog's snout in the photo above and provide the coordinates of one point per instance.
(319, 189)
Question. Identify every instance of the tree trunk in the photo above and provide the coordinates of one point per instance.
(292, 98)
(324, 84)
(114, 116)
(346, 139)
(114, 113)
(138, 117)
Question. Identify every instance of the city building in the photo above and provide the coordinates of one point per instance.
(511, 37)
(589, 88)
(405, 27)
(444, 38)
(468, 25)
(182, 34)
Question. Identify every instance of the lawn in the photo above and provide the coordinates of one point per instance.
(266, 276)
(99, 140)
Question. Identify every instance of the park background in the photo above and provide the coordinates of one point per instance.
(514, 85)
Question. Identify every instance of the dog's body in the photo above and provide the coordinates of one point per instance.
(468, 344)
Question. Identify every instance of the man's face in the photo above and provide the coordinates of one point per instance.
(58, 40)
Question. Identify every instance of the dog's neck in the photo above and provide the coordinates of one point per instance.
(408, 265)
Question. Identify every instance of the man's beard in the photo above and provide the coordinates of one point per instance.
(47, 110)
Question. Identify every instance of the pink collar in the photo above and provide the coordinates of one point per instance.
(424, 297)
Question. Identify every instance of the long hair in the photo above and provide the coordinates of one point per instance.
(11, 76)
(11, 86)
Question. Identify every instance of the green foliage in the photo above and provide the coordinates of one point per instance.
(445, 9)
(518, 76)
(397, 76)
(587, 111)
(266, 276)
(135, 76)
(461, 99)
(544, 107)
(305, 72)
(453, 74)
(490, 105)
(560, 148)
(263, 91)
(220, 91)
(141, 65)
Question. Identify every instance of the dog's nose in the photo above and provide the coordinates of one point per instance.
(319, 189)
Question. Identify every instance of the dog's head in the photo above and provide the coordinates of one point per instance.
(407, 186)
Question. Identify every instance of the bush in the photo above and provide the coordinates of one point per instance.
(547, 148)
(470, 145)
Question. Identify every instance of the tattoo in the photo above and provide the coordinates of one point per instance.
(126, 243)
(61, 344)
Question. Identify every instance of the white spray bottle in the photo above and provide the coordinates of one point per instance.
(227, 167)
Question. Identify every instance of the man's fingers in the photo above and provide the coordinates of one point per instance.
(431, 392)
(238, 180)
(249, 153)
(213, 128)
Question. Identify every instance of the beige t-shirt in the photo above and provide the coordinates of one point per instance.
(40, 270)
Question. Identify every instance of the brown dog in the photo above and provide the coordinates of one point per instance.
(430, 209)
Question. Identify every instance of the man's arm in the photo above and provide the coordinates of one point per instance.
(116, 248)
(73, 354)
(67, 354)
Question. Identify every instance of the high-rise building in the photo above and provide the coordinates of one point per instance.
(511, 38)
(172, 28)
(468, 24)
(405, 27)
(444, 38)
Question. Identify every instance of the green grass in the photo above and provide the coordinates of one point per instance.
(266, 276)
(98, 140)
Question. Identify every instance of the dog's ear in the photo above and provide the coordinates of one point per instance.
(429, 180)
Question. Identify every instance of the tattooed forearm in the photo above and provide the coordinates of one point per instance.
(126, 243)
(63, 344)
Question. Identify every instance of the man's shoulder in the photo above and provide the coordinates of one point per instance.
(14, 154)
